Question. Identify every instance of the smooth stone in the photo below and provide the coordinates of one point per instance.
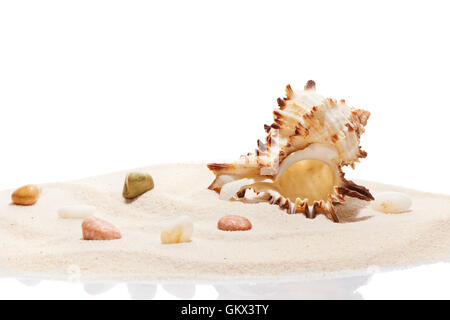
(234, 223)
(392, 202)
(98, 229)
(76, 211)
(136, 184)
(26, 195)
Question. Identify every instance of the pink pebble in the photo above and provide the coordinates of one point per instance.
(98, 229)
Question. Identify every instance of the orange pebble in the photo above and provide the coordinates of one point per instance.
(234, 223)
(26, 195)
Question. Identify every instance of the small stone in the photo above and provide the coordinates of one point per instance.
(26, 195)
(178, 231)
(98, 229)
(76, 211)
(234, 223)
(392, 202)
(136, 184)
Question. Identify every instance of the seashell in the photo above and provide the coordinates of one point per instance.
(178, 231)
(26, 195)
(392, 202)
(228, 191)
(299, 166)
(76, 211)
(136, 184)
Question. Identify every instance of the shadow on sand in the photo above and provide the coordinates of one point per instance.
(351, 209)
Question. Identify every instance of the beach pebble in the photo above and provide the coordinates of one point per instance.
(136, 184)
(76, 211)
(26, 195)
(234, 223)
(392, 202)
(178, 231)
(98, 229)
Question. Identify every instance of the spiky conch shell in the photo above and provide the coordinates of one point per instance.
(306, 126)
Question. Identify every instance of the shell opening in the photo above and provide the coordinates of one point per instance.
(309, 175)
(313, 180)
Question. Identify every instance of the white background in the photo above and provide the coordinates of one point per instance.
(91, 87)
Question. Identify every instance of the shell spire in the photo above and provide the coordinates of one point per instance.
(299, 165)
(310, 85)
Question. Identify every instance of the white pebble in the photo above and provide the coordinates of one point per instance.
(392, 202)
(178, 231)
(76, 212)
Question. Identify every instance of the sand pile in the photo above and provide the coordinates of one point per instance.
(34, 241)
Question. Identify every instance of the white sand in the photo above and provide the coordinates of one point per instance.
(35, 242)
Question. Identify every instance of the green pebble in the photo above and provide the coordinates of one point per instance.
(137, 183)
